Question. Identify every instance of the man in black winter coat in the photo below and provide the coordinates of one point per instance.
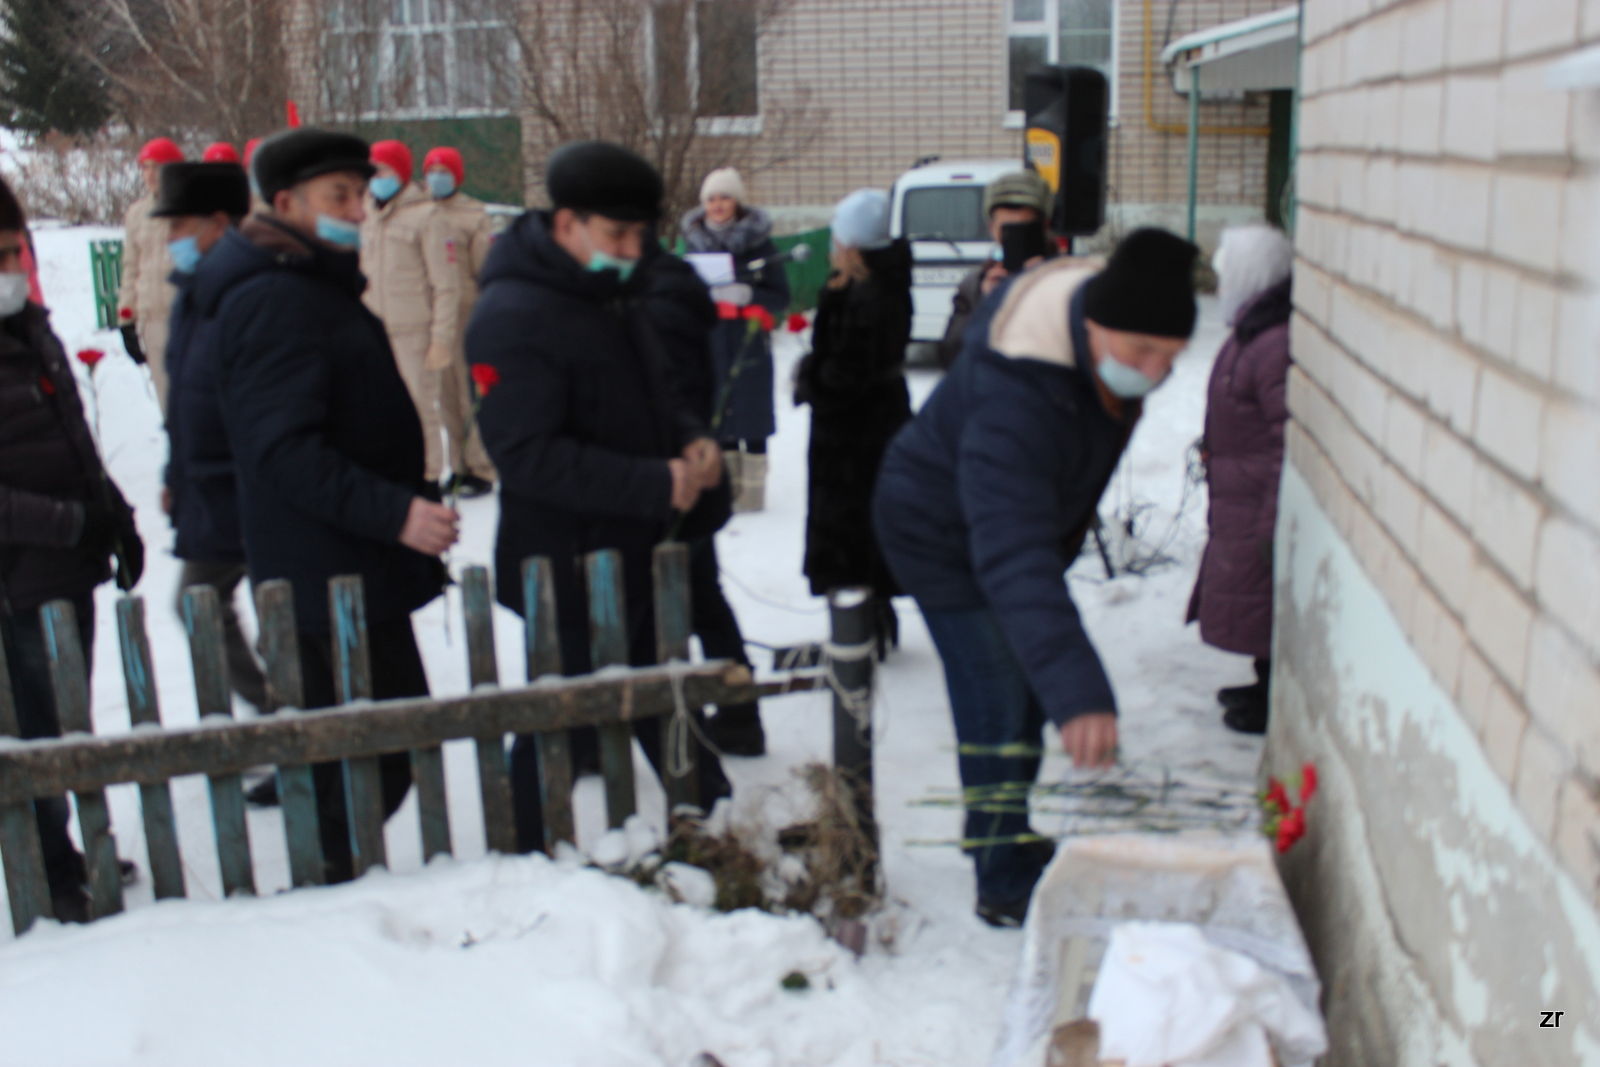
(595, 445)
(326, 443)
(61, 521)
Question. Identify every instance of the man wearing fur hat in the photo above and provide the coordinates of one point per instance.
(984, 500)
(145, 302)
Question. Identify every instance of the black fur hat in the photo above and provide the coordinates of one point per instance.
(605, 179)
(286, 159)
(202, 188)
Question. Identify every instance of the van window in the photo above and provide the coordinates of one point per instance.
(953, 213)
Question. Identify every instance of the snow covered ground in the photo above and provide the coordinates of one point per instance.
(523, 960)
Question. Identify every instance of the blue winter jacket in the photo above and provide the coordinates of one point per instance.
(200, 474)
(985, 497)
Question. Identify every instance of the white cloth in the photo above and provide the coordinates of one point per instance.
(1167, 997)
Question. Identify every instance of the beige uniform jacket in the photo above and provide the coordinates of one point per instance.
(411, 283)
(469, 233)
(147, 294)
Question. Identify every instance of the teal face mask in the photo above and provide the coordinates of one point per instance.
(441, 184)
(599, 261)
(185, 252)
(338, 232)
(383, 188)
(1123, 380)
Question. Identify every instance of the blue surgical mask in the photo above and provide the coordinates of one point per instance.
(1123, 380)
(339, 232)
(185, 252)
(384, 187)
(441, 183)
(599, 261)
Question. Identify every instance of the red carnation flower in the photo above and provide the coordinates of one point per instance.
(761, 317)
(1291, 828)
(1308, 782)
(90, 356)
(1277, 797)
(485, 377)
(798, 323)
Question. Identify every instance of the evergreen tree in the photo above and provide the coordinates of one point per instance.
(44, 86)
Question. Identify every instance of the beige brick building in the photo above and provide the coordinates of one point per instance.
(1438, 629)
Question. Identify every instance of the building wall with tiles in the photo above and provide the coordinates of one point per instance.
(1438, 630)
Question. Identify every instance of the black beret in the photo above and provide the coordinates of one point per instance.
(286, 159)
(604, 179)
(202, 188)
(1147, 287)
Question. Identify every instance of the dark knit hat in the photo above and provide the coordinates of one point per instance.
(286, 159)
(202, 188)
(12, 216)
(600, 178)
(1147, 287)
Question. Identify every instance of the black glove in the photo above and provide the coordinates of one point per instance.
(129, 549)
(130, 341)
(109, 530)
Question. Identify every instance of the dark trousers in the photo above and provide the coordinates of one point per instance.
(397, 672)
(992, 704)
(711, 616)
(244, 673)
(35, 700)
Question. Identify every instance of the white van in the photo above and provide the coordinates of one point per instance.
(939, 207)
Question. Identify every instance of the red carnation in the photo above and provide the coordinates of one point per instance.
(1277, 797)
(761, 317)
(727, 311)
(485, 377)
(90, 356)
(1308, 782)
(798, 323)
(1291, 828)
(125, 313)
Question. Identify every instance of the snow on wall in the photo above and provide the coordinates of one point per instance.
(1443, 925)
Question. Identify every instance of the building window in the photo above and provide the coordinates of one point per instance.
(418, 59)
(706, 60)
(1077, 33)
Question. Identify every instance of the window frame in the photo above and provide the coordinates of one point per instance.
(1049, 27)
(705, 125)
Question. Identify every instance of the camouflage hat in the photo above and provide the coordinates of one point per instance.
(1022, 188)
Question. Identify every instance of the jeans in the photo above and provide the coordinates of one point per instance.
(23, 634)
(992, 704)
(244, 673)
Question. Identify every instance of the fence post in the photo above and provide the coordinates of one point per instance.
(352, 672)
(851, 668)
(144, 708)
(494, 783)
(608, 642)
(542, 633)
(673, 627)
(69, 677)
(297, 788)
(202, 617)
(26, 886)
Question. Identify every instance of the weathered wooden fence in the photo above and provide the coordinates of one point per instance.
(359, 730)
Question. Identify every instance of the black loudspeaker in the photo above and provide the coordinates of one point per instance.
(1067, 109)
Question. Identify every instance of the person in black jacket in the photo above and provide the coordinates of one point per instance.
(984, 501)
(200, 203)
(61, 521)
(595, 444)
(854, 380)
(326, 443)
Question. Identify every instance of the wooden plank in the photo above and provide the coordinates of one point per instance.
(673, 627)
(54, 766)
(202, 619)
(69, 678)
(352, 671)
(144, 709)
(483, 669)
(543, 636)
(26, 886)
(608, 642)
(297, 791)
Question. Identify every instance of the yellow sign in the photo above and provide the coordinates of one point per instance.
(1044, 152)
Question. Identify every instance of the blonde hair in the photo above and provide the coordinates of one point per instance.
(848, 266)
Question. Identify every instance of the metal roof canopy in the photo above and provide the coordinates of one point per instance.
(1260, 52)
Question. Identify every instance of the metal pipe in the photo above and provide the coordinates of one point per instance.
(1194, 144)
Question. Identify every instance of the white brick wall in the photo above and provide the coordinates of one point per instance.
(1474, 34)
(1568, 579)
(1509, 421)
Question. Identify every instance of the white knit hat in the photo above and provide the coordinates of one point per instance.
(862, 220)
(724, 182)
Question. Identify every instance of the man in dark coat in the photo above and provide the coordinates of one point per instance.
(1019, 197)
(200, 203)
(1246, 410)
(61, 521)
(326, 442)
(595, 447)
(984, 500)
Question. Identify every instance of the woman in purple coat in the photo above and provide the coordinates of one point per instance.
(1246, 410)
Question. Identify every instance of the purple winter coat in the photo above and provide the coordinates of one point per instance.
(1246, 408)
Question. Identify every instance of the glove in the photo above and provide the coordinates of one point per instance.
(130, 341)
(738, 294)
(129, 549)
(439, 357)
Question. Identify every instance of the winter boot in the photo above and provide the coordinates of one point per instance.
(752, 485)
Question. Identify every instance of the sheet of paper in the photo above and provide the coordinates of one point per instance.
(714, 268)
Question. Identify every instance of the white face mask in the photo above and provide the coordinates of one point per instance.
(13, 294)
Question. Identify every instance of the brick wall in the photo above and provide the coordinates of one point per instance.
(1446, 397)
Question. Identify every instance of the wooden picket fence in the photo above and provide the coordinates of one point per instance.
(359, 730)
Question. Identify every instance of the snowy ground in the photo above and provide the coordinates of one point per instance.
(521, 960)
